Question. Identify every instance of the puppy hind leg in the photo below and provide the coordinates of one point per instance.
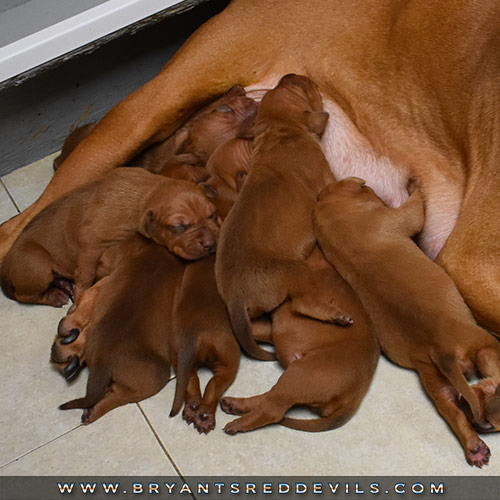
(445, 398)
(224, 376)
(449, 366)
(116, 396)
(312, 297)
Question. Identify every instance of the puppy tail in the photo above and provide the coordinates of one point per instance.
(186, 354)
(242, 329)
(333, 421)
(98, 385)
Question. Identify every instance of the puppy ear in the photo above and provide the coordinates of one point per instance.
(145, 227)
(181, 140)
(316, 121)
(236, 91)
(252, 132)
(209, 190)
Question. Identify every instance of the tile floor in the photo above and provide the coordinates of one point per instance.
(396, 431)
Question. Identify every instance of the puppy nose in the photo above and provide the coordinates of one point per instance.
(207, 241)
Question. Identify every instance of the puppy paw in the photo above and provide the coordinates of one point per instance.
(231, 406)
(343, 320)
(478, 454)
(204, 422)
(234, 427)
(65, 285)
(72, 368)
(189, 413)
(87, 416)
(55, 297)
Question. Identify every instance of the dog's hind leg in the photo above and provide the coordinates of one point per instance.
(445, 398)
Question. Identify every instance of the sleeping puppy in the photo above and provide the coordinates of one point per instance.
(65, 241)
(268, 234)
(199, 137)
(420, 318)
(125, 344)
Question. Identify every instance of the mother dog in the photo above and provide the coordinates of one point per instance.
(412, 89)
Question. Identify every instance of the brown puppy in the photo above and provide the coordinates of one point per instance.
(420, 319)
(226, 171)
(72, 141)
(202, 337)
(327, 368)
(199, 137)
(65, 241)
(268, 234)
(126, 339)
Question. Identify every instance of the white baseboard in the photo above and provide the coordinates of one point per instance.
(75, 32)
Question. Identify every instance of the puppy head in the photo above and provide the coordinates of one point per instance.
(182, 218)
(231, 115)
(226, 170)
(296, 99)
(350, 187)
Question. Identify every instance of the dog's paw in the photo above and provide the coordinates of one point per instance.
(478, 455)
(55, 297)
(343, 320)
(189, 413)
(204, 422)
(231, 406)
(72, 368)
(234, 426)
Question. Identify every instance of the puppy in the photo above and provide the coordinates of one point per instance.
(327, 368)
(268, 234)
(226, 171)
(199, 137)
(421, 320)
(126, 339)
(202, 336)
(64, 242)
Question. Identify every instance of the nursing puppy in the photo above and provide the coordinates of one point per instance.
(126, 340)
(420, 319)
(327, 368)
(268, 234)
(202, 336)
(65, 241)
(199, 137)
(226, 171)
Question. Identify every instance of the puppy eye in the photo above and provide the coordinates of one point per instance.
(241, 174)
(213, 216)
(178, 229)
(225, 108)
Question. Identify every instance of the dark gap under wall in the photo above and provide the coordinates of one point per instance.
(36, 115)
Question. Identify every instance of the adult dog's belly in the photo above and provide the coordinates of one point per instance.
(350, 154)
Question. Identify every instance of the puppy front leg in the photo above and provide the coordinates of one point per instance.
(86, 267)
(410, 215)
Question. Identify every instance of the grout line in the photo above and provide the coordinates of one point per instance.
(10, 195)
(162, 446)
(41, 446)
